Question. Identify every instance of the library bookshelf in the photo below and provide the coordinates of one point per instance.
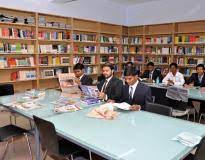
(35, 47)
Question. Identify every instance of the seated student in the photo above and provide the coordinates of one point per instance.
(152, 73)
(83, 79)
(174, 77)
(135, 93)
(110, 88)
(197, 79)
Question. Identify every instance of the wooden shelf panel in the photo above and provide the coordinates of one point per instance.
(17, 24)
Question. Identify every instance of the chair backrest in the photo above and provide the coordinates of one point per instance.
(200, 152)
(6, 89)
(159, 109)
(48, 136)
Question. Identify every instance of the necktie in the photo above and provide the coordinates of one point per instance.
(104, 86)
(200, 79)
(130, 93)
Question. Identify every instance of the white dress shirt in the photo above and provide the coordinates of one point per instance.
(134, 86)
(178, 79)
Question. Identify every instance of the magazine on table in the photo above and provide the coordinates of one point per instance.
(90, 94)
(68, 84)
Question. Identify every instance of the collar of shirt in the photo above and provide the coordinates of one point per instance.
(81, 76)
(134, 86)
(200, 77)
(108, 80)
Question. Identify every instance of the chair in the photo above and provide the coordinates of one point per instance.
(9, 132)
(199, 154)
(51, 146)
(159, 109)
(8, 89)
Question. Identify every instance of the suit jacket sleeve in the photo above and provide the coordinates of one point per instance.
(148, 97)
(145, 74)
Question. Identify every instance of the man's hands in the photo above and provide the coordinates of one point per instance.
(135, 107)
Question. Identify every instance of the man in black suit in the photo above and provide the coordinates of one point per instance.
(135, 93)
(110, 88)
(197, 79)
(80, 75)
(152, 73)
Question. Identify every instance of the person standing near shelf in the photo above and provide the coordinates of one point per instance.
(152, 74)
(81, 78)
(135, 93)
(197, 79)
(110, 88)
(174, 77)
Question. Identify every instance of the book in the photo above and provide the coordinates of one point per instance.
(189, 39)
(84, 37)
(85, 49)
(16, 33)
(55, 35)
(23, 75)
(108, 49)
(17, 47)
(135, 40)
(109, 39)
(59, 48)
(159, 40)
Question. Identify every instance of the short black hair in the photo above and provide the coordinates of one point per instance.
(130, 71)
(150, 64)
(131, 63)
(107, 64)
(200, 65)
(173, 64)
(79, 66)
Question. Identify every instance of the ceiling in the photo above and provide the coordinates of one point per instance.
(130, 2)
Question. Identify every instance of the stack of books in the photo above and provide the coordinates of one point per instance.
(107, 39)
(85, 49)
(189, 39)
(109, 49)
(159, 40)
(54, 48)
(54, 35)
(136, 40)
(84, 37)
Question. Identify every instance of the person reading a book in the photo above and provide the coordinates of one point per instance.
(174, 77)
(152, 74)
(110, 88)
(197, 79)
(135, 93)
(81, 78)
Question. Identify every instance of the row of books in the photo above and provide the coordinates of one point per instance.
(84, 37)
(136, 40)
(158, 50)
(108, 49)
(17, 19)
(107, 39)
(53, 60)
(125, 40)
(190, 61)
(43, 22)
(18, 47)
(91, 70)
(16, 62)
(85, 49)
(157, 60)
(23, 75)
(159, 40)
(189, 50)
(110, 59)
(55, 48)
(189, 39)
(134, 59)
(54, 35)
(135, 49)
(16, 33)
(85, 60)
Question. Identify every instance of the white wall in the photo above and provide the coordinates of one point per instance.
(163, 11)
(99, 10)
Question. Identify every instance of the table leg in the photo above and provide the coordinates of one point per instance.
(37, 145)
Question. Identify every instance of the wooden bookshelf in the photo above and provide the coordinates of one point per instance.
(55, 38)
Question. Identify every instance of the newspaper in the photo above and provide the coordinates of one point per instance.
(68, 84)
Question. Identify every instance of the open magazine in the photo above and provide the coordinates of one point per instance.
(68, 84)
(90, 94)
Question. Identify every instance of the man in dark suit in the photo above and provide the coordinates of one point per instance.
(110, 88)
(152, 73)
(135, 93)
(82, 79)
(197, 79)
